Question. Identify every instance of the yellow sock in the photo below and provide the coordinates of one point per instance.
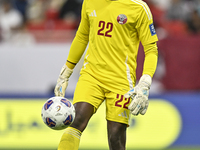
(70, 139)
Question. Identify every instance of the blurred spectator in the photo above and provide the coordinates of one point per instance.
(178, 10)
(162, 4)
(22, 37)
(174, 17)
(45, 15)
(36, 10)
(71, 11)
(72, 7)
(10, 20)
(194, 22)
(21, 6)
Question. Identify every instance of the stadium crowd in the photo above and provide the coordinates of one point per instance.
(27, 16)
(30, 16)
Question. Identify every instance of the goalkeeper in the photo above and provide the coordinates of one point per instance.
(113, 29)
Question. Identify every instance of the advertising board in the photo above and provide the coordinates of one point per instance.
(170, 121)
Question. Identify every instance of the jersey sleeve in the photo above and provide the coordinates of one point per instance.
(147, 36)
(145, 27)
(151, 58)
(81, 39)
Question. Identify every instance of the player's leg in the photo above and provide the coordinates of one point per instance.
(87, 98)
(71, 138)
(117, 115)
(84, 112)
(116, 135)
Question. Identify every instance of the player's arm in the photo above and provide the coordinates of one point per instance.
(148, 38)
(80, 41)
(140, 92)
(151, 58)
(77, 49)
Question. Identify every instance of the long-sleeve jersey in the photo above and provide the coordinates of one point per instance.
(113, 29)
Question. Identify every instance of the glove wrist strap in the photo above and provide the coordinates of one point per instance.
(66, 72)
(145, 81)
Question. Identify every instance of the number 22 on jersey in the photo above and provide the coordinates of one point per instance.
(105, 28)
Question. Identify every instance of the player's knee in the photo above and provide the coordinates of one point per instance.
(116, 135)
(79, 123)
(83, 114)
(113, 139)
(116, 142)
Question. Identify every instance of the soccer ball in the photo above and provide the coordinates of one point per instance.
(58, 113)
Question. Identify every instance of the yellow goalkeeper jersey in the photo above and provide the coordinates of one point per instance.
(114, 29)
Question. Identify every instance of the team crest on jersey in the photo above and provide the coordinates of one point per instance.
(121, 19)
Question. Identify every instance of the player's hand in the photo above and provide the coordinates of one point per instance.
(62, 81)
(139, 95)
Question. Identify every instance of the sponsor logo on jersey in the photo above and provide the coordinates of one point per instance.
(152, 29)
(121, 19)
(93, 14)
(123, 114)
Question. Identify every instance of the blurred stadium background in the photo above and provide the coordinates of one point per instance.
(35, 37)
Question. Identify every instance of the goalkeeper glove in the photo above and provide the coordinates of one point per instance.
(62, 81)
(139, 95)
